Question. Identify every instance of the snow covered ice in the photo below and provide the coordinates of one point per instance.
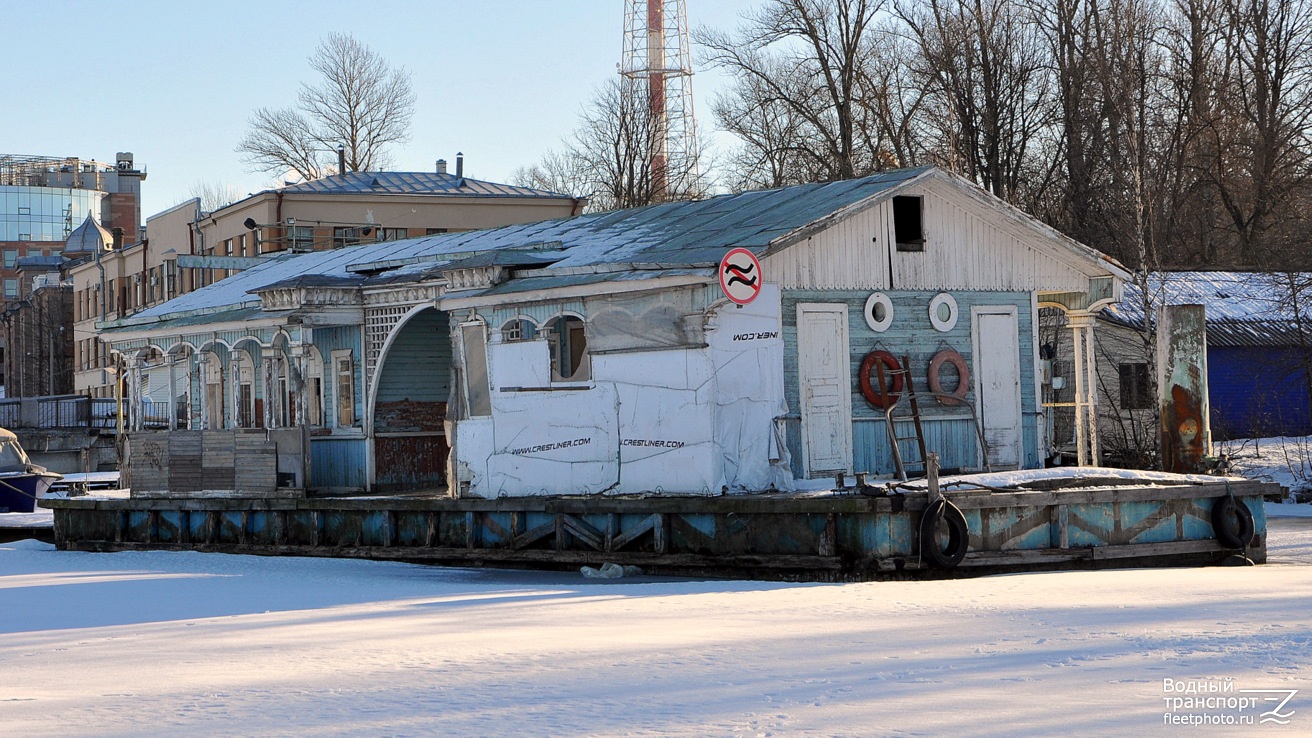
(169, 643)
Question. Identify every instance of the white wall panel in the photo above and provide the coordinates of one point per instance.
(970, 244)
(852, 254)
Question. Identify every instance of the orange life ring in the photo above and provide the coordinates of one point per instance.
(880, 397)
(949, 356)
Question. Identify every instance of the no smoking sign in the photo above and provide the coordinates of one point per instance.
(740, 276)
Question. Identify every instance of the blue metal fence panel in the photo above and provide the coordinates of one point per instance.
(1257, 392)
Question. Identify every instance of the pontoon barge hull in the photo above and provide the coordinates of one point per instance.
(833, 536)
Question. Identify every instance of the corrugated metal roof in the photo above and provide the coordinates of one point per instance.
(538, 283)
(1243, 308)
(209, 317)
(678, 235)
(672, 234)
(413, 183)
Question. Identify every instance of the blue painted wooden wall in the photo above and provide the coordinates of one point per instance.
(417, 366)
(328, 340)
(946, 429)
(337, 462)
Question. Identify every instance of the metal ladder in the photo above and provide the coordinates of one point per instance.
(911, 415)
(896, 424)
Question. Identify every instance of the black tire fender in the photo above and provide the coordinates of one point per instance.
(1232, 522)
(931, 550)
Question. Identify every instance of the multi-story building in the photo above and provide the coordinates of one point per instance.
(186, 248)
(43, 200)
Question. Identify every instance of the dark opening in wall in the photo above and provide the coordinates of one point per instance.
(907, 222)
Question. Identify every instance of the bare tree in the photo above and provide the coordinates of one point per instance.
(556, 172)
(1264, 100)
(362, 104)
(772, 152)
(989, 93)
(215, 195)
(801, 80)
(608, 157)
(1113, 144)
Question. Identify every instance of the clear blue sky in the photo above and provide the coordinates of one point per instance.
(175, 81)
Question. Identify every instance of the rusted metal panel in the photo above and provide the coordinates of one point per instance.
(409, 462)
(1182, 387)
(409, 416)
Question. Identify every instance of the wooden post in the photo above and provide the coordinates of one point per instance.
(931, 476)
(173, 392)
(1182, 387)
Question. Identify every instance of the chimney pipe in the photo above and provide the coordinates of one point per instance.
(341, 158)
(118, 237)
(441, 166)
(460, 164)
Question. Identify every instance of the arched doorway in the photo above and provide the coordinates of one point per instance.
(411, 386)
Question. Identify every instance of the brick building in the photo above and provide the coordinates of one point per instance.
(43, 202)
(186, 247)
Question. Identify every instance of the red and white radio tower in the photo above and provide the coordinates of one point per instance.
(657, 57)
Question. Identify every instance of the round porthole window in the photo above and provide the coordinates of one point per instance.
(943, 312)
(879, 312)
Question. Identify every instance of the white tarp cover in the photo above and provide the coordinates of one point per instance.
(667, 439)
(551, 443)
(747, 351)
(696, 420)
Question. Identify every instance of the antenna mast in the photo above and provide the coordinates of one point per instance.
(657, 69)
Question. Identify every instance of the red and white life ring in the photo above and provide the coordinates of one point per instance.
(880, 397)
(949, 356)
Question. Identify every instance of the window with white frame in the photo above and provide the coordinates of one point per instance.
(346, 236)
(313, 387)
(519, 329)
(243, 372)
(300, 238)
(344, 387)
(212, 369)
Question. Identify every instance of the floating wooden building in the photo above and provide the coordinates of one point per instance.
(657, 378)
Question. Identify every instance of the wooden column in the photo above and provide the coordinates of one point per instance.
(1086, 388)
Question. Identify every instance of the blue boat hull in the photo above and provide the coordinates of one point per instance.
(19, 490)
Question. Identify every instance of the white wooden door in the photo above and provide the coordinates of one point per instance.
(997, 383)
(825, 387)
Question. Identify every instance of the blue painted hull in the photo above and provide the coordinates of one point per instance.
(20, 490)
(822, 535)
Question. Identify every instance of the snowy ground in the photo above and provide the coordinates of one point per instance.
(1286, 461)
(162, 643)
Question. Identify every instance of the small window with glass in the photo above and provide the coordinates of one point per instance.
(519, 329)
(344, 236)
(300, 238)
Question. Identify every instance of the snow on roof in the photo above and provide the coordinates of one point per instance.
(1085, 476)
(1243, 308)
(678, 235)
(673, 234)
(412, 183)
